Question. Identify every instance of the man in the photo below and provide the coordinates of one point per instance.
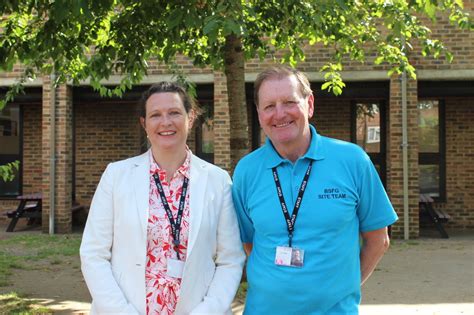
(310, 196)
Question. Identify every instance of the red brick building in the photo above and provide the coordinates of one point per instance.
(91, 132)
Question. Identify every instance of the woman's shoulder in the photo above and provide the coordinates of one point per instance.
(129, 162)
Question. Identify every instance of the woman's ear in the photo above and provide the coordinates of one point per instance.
(192, 118)
(142, 122)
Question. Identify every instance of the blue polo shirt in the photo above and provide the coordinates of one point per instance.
(344, 197)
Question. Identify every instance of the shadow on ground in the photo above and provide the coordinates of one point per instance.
(428, 275)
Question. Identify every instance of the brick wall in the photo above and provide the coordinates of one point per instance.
(461, 44)
(16, 72)
(222, 156)
(63, 155)
(459, 162)
(332, 118)
(109, 132)
(105, 132)
(32, 167)
(395, 156)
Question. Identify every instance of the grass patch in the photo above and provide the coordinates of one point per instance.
(14, 303)
(25, 251)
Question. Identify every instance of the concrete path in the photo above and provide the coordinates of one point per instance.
(427, 276)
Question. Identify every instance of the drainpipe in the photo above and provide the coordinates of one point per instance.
(406, 215)
(52, 153)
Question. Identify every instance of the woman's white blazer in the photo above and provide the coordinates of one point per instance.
(114, 243)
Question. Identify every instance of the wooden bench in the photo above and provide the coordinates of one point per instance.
(76, 207)
(30, 208)
(436, 216)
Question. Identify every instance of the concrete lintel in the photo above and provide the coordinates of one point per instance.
(373, 75)
(440, 75)
(155, 78)
(11, 81)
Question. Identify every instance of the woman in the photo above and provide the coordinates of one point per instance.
(162, 236)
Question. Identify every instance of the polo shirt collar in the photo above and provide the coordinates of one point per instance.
(315, 151)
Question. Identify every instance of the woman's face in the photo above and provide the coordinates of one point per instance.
(166, 121)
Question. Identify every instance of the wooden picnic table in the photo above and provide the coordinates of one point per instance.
(436, 216)
(29, 207)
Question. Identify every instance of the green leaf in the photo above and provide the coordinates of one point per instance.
(175, 18)
(7, 171)
(211, 26)
(449, 56)
(326, 85)
(379, 60)
(460, 3)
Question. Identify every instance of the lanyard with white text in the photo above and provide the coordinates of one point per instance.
(175, 226)
(290, 222)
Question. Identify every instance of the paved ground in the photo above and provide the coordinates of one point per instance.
(427, 276)
(424, 276)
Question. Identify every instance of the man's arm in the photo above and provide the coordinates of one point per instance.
(375, 244)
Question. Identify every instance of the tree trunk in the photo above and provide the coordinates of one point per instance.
(235, 77)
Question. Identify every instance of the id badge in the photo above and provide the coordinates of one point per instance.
(289, 256)
(283, 256)
(297, 257)
(174, 268)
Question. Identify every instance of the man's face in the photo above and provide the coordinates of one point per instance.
(283, 112)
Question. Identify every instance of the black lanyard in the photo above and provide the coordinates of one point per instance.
(175, 226)
(290, 222)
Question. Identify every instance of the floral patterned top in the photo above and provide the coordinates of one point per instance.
(162, 291)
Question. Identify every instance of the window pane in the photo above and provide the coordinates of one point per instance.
(10, 146)
(368, 127)
(205, 131)
(208, 136)
(429, 180)
(9, 130)
(428, 131)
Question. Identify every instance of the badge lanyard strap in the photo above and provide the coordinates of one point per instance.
(290, 221)
(175, 226)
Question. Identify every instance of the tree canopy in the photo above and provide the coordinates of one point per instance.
(93, 39)
(83, 39)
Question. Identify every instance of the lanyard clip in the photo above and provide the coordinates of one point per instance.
(290, 239)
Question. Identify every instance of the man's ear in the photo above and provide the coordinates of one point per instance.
(310, 105)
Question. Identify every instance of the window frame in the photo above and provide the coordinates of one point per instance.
(20, 155)
(376, 158)
(430, 158)
(205, 95)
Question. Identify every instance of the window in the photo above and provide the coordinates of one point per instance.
(10, 148)
(368, 125)
(373, 134)
(204, 131)
(431, 148)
